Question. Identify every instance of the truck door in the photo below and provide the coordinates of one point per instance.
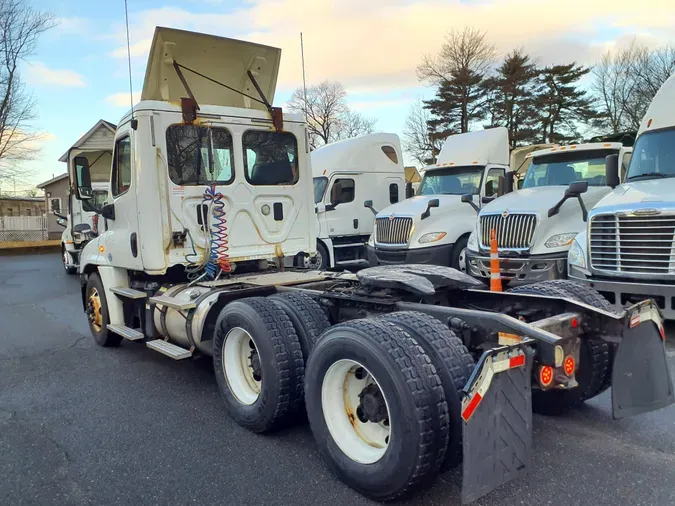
(343, 212)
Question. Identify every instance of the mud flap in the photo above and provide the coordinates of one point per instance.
(498, 426)
(641, 380)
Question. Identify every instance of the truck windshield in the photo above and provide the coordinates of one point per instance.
(451, 181)
(653, 156)
(320, 184)
(566, 168)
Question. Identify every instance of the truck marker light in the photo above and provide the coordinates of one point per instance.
(574, 323)
(573, 146)
(649, 123)
(101, 249)
(662, 332)
(518, 361)
(563, 148)
(635, 320)
(559, 356)
(545, 375)
(473, 404)
(570, 365)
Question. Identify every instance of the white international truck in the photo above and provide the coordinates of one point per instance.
(434, 226)
(398, 372)
(347, 173)
(627, 250)
(536, 224)
(80, 223)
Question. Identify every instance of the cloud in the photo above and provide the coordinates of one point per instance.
(376, 45)
(39, 74)
(122, 99)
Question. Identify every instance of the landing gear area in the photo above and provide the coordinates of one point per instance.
(402, 371)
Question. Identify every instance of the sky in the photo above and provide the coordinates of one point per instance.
(79, 73)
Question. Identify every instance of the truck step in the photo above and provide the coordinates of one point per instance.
(168, 349)
(161, 300)
(125, 332)
(128, 293)
(351, 263)
(352, 245)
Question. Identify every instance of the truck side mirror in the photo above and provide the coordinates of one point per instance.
(368, 204)
(507, 185)
(409, 190)
(576, 188)
(612, 170)
(468, 199)
(430, 204)
(82, 178)
(82, 228)
(63, 222)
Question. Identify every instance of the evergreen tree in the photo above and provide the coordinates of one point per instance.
(563, 106)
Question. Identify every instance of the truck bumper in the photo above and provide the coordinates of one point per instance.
(622, 293)
(433, 255)
(529, 270)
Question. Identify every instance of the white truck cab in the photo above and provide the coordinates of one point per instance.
(536, 224)
(434, 226)
(93, 149)
(627, 250)
(347, 173)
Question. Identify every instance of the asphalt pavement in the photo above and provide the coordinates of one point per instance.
(84, 425)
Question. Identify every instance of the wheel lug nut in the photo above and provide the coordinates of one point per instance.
(360, 373)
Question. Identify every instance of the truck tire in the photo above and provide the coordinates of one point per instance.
(458, 254)
(306, 315)
(258, 364)
(587, 295)
(97, 313)
(320, 262)
(64, 258)
(454, 364)
(366, 380)
(591, 370)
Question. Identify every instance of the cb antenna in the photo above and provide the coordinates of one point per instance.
(134, 121)
(304, 82)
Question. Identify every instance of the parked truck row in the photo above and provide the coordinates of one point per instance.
(403, 370)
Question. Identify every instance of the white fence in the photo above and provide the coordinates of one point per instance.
(23, 228)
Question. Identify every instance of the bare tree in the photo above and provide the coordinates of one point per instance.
(458, 71)
(626, 80)
(20, 29)
(329, 117)
(418, 138)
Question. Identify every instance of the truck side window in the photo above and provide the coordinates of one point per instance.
(270, 158)
(121, 171)
(199, 155)
(492, 181)
(342, 191)
(393, 193)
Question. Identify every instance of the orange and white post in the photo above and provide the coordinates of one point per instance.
(495, 278)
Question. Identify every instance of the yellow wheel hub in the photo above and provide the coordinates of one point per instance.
(95, 314)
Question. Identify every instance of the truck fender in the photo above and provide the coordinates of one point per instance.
(328, 243)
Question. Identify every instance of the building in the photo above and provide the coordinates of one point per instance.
(22, 206)
(56, 201)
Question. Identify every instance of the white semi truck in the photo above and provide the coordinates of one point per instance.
(536, 224)
(627, 250)
(80, 223)
(347, 173)
(399, 374)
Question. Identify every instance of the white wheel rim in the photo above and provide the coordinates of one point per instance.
(462, 260)
(244, 384)
(314, 262)
(363, 442)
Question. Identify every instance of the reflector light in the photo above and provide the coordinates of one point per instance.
(574, 323)
(473, 404)
(570, 365)
(662, 332)
(545, 375)
(649, 123)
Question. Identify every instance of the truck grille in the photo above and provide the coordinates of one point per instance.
(393, 231)
(513, 232)
(633, 244)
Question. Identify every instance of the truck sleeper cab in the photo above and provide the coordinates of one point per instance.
(533, 232)
(626, 250)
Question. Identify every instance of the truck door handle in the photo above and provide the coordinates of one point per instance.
(278, 211)
(356, 223)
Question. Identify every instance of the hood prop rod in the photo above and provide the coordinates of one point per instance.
(275, 112)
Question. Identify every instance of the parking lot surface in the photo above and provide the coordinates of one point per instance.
(84, 425)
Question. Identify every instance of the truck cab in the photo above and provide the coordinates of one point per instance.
(93, 149)
(433, 227)
(347, 173)
(536, 224)
(626, 249)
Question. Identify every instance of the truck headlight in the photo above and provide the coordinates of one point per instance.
(576, 256)
(472, 245)
(560, 240)
(431, 237)
(371, 240)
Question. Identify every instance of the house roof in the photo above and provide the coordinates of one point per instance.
(52, 180)
(23, 199)
(101, 123)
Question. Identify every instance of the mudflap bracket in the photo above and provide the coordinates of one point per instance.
(497, 417)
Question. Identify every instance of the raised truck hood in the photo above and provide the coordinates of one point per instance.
(221, 59)
(640, 192)
(539, 201)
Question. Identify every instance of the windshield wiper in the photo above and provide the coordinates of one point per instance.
(650, 174)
